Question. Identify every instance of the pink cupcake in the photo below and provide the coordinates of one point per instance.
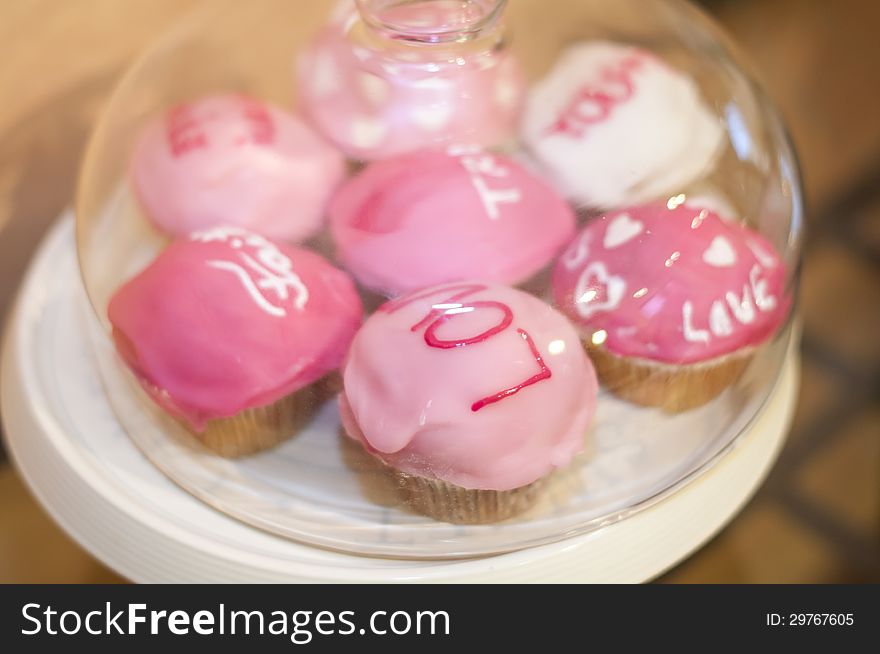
(376, 97)
(671, 303)
(230, 333)
(431, 217)
(472, 394)
(233, 160)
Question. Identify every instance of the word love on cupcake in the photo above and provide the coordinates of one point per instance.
(743, 307)
(671, 284)
(265, 273)
(452, 306)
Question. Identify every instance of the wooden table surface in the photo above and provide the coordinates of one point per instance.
(818, 517)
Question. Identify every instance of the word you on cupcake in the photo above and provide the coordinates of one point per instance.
(742, 307)
(595, 101)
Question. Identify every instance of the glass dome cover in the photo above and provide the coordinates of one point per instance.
(624, 169)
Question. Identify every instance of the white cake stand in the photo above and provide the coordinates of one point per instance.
(81, 465)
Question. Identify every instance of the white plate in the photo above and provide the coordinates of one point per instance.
(81, 463)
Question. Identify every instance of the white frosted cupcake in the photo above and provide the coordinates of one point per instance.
(615, 125)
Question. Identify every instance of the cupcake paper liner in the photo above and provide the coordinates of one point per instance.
(447, 502)
(260, 428)
(673, 388)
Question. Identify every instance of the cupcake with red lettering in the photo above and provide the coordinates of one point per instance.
(232, 334)
(233, 160)
(671, 303)
(472, 394)
(615, 125)
(431, 216)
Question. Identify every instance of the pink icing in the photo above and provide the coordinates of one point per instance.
(229, 159)
(675, 286)
(477, 384)
(431, 217)
(226, 321)
(379, 98)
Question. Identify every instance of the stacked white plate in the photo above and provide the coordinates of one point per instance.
(84, 468)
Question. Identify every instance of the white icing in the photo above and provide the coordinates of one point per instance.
(482, 166)
(269, 274)
(585, 294)
(599, 96)
(691, 334)
(234, 235)
(743, 307)
(763, 299)
(491, 199)
(720, 253)
(621, 230)
(719, 320)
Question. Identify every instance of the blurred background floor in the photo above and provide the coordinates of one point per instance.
(817, 519)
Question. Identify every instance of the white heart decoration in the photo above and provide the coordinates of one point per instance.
(720, 253)
(615, 287)
(620, 230)
(432, 117)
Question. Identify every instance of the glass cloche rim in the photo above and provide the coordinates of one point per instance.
(776, 139)
(189, 24)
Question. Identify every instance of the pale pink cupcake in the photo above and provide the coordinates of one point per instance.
(233, 160)
(472, 394)
(671, 303)
(231, 334)
(431, 217)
